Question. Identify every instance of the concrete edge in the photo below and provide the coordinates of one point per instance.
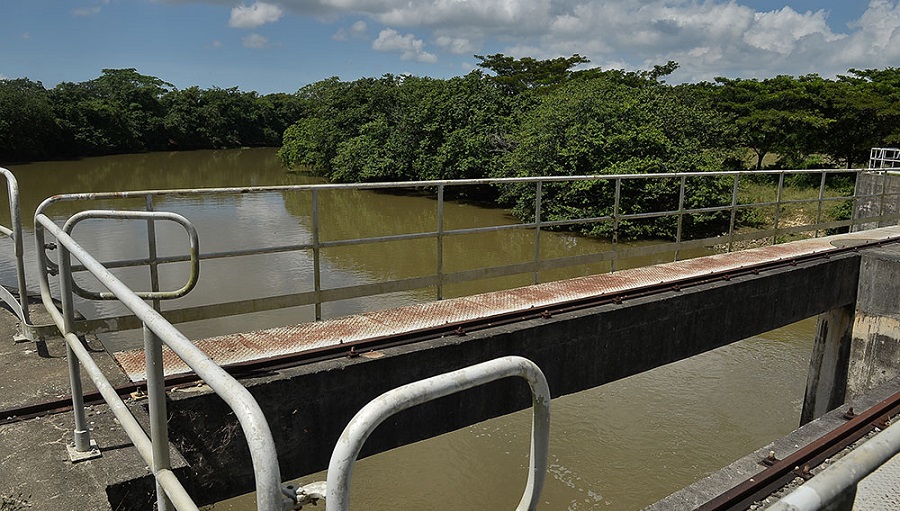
(723, 480)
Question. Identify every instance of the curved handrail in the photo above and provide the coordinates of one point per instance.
(15, 232)
(250, 416)
(340, 468)
(142, 215)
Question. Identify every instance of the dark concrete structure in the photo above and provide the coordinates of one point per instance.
(308, 407)
(875, 348)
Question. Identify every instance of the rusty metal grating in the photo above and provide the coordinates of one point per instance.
(248, 346)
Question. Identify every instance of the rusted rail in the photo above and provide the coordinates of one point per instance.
(781, 471)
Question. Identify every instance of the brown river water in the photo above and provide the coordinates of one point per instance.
(620, 446)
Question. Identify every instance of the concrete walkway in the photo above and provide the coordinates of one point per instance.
(35, 471)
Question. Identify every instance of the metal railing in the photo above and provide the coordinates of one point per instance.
(157, 332)
(19, 305)
(835, 487)
(340, 469)
(680, 184)
(158, 329)
(884, 158)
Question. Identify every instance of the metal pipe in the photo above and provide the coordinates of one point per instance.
(731, 223)
(845, 474)
(615, 215)
(317, 256)
(537, 232)
(82, 432)
(152, 255)
(194, 275)
(246, 409)
(15, 232)
(680, 212)
(408, 184)
(156, 402)
(778, 206)
(440, 242)
(819, 207)
(340, 468)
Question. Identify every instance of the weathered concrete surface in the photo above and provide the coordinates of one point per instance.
(875, 349)
(308, 407)
(35, 472)
(881, 187)
(826, 383)
(717, 483)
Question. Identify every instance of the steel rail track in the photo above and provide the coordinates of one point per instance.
(780, 472)
(352, 349)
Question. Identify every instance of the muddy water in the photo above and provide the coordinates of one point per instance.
(620, 446)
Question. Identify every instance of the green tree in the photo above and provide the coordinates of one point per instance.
(864, 112)
(27, 125)
(601, 126)
(518, 75)
(774, 115)
(120, 111)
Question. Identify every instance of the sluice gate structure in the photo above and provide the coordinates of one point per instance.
(284, 395)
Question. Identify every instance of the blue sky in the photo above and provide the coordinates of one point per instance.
(282, 45)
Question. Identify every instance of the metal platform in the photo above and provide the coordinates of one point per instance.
(242, 347)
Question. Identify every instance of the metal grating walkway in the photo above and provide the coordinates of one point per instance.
(262, 344)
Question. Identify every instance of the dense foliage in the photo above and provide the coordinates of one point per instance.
(512, 117)
(527, 117)
(123, 111)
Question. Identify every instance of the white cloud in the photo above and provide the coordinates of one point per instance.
(707, 37)
(89, 11)
(408, 46)
(781, 31)
(357, 30)
(457, 45)
(216, 43)
(86, 11)
(252, 16)
(877, 39)
(255, 41)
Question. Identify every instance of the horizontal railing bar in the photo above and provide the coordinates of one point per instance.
(422, 184)
(308, 298)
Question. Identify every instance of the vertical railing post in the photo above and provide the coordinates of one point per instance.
(778, 198)
(538, 192)
(884, 179)
(821, 201)
(680, 215)
(156, 401)
(440, 242)
(82, 433)
(734, 202)
(152, 254)
(854, 215)
(615, 233)
(317, 271)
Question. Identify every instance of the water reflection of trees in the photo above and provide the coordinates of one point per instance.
(149, 171)
(355, 214)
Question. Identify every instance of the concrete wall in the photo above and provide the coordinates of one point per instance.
(309, 406)
(875, 348)
(874, 183)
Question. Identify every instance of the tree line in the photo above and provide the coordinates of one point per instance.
(510, 117)
(123, 111)
(526, 117)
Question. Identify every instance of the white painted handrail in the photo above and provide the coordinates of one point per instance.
(340, 468)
